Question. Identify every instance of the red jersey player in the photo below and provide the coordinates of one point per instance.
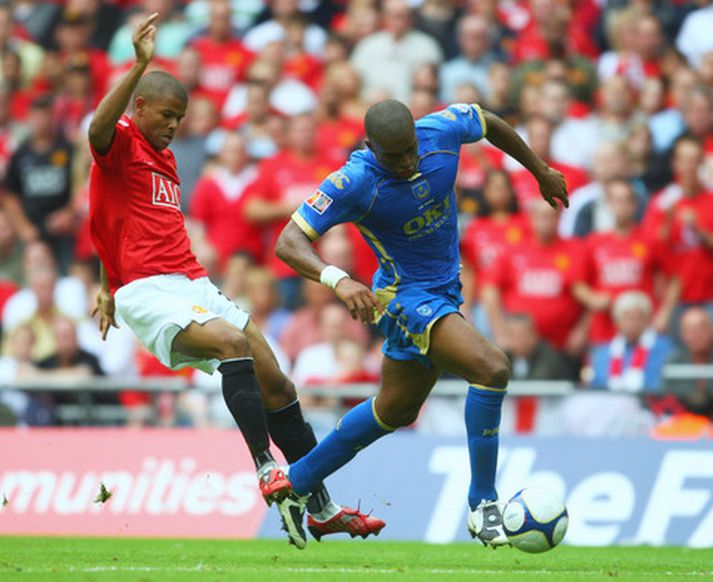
(163, 294)
(624, 259)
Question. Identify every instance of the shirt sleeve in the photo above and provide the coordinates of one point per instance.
(120, 145)
(337, 200)
(464, 121)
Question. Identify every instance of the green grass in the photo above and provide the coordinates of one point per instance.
(147, 560)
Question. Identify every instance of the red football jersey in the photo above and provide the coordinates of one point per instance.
(485, 239)
(613, 264)
(134, 211)
(537, 279)
(222, 65)
(691, 260)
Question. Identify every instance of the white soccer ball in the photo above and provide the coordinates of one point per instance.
(535, 520)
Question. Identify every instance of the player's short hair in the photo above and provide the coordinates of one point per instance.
(388, 120)
(158, 84)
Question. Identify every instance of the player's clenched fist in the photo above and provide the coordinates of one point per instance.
(359, 299)
(144, 39)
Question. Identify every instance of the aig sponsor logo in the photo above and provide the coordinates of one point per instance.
(165, 191)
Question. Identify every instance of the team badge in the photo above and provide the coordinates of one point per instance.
(420, 189)
(199, 309)
(319, 202)
(338, 179)
(424, 310)
(562, 262)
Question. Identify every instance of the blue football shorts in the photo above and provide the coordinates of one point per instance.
(409, 317)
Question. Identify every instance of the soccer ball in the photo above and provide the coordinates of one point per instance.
(535, 520)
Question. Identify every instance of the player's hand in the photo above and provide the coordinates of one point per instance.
(144, 39)
(553, 187)
(106, 310)
(359, 299)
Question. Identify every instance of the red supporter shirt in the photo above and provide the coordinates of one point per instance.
(135, 212)
(218, 202)
(485, 239)
(288, 178)
(691, 260)
(337, 138)
(222, 65)
(537, 279)
(527, 189)
(613, 264)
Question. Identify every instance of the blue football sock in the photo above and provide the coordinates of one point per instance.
(356, 430)
(482, 421)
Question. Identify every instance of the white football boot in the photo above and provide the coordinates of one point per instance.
(485, 523)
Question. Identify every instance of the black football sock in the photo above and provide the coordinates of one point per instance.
(243, 398)
(295, 438)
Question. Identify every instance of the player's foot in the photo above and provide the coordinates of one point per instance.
(485, 523)
(274, 485)
(292, 513)
(348, 520)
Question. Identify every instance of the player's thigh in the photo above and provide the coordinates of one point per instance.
(215, 339)
(457, 347)
(277, 389)
(405, 385)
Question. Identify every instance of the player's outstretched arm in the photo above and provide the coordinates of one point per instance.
(295, 248)
(114, 103)
(505, 138)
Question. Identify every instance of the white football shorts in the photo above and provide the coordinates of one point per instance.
(157, 308)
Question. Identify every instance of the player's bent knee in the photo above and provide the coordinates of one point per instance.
(279, 393)
(231, 343)
(493, 370)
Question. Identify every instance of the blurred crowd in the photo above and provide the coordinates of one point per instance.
(617, 95)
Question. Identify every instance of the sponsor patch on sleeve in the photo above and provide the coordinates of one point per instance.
(319, 202)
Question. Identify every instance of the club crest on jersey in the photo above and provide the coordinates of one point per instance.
(165, 192)
(319, 202)
(424, 310)
(420, 189)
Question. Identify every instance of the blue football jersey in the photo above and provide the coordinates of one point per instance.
(411, 224)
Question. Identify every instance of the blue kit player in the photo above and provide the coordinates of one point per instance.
(399, 193)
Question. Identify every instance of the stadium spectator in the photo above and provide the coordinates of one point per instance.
(284, 12)
(668, 124)
(476, 55)
(536, 277)
(219, 198)
(30, 55)
(498, 228)
(539, 135)
(696, 332)
(234, 282)
(223, 57)
(303, 328)
(288, 96)
(573, 140)
(694, 38)
(263, 300)
(38, 185)
(586, 212)
(399, 49)
(68, 359)
(633, 360)
(624, 259)
(531, 357)
(260, 126)
(283, 183)
(173, 31)
(681, 217)
(11, 251)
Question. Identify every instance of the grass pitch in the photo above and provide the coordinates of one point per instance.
(148, 560)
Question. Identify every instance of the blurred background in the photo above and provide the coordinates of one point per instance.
(605, 309)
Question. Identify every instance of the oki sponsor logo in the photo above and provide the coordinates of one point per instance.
(165, 191)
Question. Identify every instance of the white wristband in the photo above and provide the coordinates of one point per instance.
(331, 275)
